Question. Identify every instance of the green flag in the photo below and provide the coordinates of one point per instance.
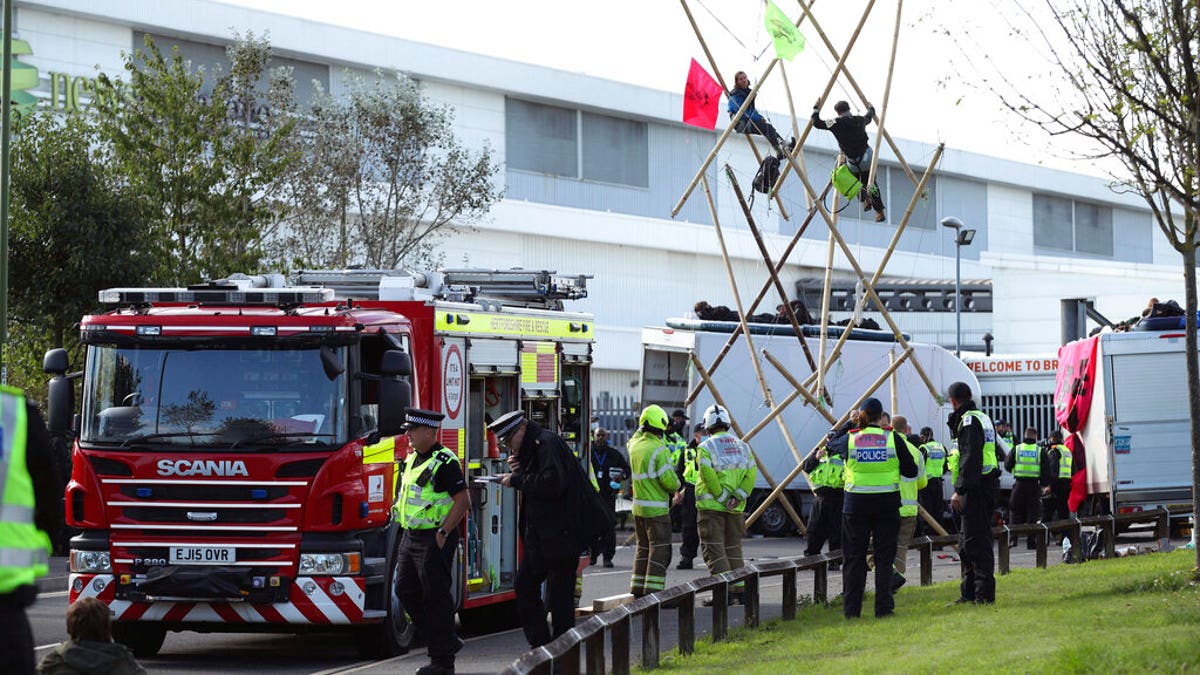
(788, 40)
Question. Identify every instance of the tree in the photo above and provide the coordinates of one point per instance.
(201, 152)
(74, 230)
(381, 179)
(1131, 88)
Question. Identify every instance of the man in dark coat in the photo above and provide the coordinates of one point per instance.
(610, 468)
(975, 494)
(549, 521)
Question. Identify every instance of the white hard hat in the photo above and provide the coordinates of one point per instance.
(715, 415)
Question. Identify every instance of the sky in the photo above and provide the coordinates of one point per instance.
(946, 54)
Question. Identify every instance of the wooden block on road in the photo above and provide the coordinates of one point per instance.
(612, 601)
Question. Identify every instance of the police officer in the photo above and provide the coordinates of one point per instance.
(975, 493)
(550, 521)
(432, 501)
(727, 475)
(1025, 464)
(827, 478)
(936, 466)
(609, 467)
(654, 482)
(909, 488)
(1058, 479)
(30, 518)
(684, 460)
(875, 460)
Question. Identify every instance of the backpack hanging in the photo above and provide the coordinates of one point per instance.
(768, 174)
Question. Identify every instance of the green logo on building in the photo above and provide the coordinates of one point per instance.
(24, 76)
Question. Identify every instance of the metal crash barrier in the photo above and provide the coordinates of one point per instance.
(614, 626)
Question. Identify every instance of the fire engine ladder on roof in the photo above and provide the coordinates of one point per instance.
(545, 289)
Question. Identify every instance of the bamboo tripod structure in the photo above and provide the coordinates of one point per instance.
(812, 389)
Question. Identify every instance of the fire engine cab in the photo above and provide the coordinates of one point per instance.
(237, 450)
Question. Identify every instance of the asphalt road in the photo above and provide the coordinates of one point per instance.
(485, 653)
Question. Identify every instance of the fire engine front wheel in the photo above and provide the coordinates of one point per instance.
(143, 639)
(392, 636)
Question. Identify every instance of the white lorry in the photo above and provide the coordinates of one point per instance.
(666, 379)
(1137, 442)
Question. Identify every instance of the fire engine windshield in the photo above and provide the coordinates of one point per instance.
(137, 396)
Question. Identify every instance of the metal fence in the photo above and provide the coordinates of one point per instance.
(1022, 410)
(618, 415)
(563, 654)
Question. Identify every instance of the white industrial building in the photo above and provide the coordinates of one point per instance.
(589, 186)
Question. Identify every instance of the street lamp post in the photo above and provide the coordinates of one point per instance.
(961, 238)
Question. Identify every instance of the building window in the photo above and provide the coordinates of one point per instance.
(574, 144)
(615, 150)
(901, 190)
(541, 138)
(1069, 225)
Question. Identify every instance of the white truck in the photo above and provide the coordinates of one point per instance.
(666, 379)
(1137, 441)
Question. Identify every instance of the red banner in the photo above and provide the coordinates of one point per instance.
(701, 98)
(1072, 402)
(1074, 383)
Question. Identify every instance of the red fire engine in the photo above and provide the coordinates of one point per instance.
(235, 459)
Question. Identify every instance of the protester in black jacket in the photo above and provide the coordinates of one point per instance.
(550, 521)
(851, 134)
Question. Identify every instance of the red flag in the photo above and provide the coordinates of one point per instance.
(1079, 487)
(701, 98)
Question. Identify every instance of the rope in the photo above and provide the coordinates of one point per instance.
(722, 25)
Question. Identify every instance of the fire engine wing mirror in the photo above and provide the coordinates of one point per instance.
(395, 396)
(56, 362)
(395, 363)
(60, 394)
(331, 363)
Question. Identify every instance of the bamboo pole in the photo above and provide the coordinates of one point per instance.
(870, 289)
(762, 292)
(887, 256)
(931, 521)
(787, 88)
(766, 255)
(721, 141)
(861, 95)
(774, 494)
(737, 298)
(892, 382)
(887, 92)
(799, 387)
(826, 290)
(762, 468)
(828, 88)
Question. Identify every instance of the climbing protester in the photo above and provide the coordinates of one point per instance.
(752, 122)
(851, 134)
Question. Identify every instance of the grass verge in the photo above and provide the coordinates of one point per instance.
(1132, 614)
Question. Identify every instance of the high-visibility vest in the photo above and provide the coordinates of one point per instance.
(989, 440)
(909, 487)
(1064, 462)
(24, 549)
(872, 466)
(729, 457)
(935, 459)
(952, 463)
(1028, 463)
(830, 473)
(654, 478)
(422, 507)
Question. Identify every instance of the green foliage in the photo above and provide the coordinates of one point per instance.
(1128, 615)
(74, 229)
(382, 178)
(199, 154)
